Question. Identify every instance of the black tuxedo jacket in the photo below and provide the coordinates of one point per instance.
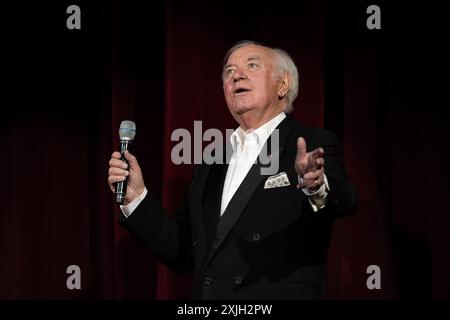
(268, 244)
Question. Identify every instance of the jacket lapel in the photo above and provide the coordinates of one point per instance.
(212, 199)
(245, 191)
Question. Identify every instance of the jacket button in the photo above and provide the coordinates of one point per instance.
(238, 280)
(256, 237)
(207, 281)
(194, 243)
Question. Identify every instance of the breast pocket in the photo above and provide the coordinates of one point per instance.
(290, 190)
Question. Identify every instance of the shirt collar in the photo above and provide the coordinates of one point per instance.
(261, 134)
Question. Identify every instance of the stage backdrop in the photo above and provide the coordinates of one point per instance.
(159, 64)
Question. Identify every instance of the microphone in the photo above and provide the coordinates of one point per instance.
(127, 131)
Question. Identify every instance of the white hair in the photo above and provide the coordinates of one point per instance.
(284, 64)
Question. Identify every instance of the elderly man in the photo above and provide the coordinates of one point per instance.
(246, 235)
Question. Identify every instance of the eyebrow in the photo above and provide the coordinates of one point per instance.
(254, 57)
(251, 58)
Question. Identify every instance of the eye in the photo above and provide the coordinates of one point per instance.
(229, 72)
(252, 65)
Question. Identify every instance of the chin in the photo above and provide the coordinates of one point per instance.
(242, 109)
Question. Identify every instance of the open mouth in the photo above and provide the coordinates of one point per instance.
(240, 91)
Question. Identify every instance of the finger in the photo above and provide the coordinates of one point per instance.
(301, 148)
(118, 172)
(311, 163)
(117, 163)
(316, 184)
(305, 184)
(316, 153)
(302, 184)
(313, 175)
(115, 179)
(313, 183)
(115, 155)
(318, 180)
(131, 159)
(320, 162)
(313, 156)
(301, 159)
(321, 180)
(301, 166)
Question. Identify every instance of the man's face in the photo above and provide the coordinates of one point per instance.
(250, 83)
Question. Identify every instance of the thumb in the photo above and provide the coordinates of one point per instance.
(301, 148)
(132, 161)
(301, 162)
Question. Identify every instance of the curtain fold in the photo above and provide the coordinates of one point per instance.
(159, 64)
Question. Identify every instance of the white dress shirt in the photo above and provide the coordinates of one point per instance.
(129, 208)
(246, 148)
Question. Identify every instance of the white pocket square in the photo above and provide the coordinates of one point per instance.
(279, 180)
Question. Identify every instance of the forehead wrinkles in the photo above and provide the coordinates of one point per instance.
(258, 53)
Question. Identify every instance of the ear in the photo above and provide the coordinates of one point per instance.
(283, 86)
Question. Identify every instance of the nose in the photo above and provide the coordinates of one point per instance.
(239, 74)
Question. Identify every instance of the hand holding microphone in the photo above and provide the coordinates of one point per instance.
(124, 175)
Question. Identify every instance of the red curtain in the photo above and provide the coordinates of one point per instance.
(159, 64)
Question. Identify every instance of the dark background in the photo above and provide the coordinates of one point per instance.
(65, 92)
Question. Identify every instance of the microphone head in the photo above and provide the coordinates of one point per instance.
(127, 130)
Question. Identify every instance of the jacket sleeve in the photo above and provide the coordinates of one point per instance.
(168, 237)
(342, 198)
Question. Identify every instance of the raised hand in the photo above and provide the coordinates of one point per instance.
(309, 166)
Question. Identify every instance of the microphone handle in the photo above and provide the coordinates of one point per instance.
(121, 187)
